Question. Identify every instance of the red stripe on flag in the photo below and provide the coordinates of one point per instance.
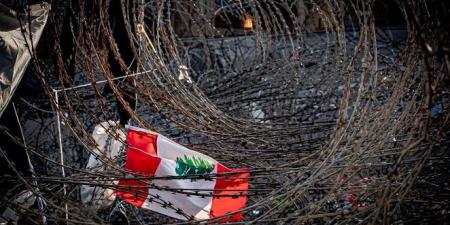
(229, 184)
(141, 160)
(143, 141)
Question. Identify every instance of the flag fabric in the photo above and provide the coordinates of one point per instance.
(173, 180)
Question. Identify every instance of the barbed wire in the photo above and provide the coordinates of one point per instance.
(336, 126)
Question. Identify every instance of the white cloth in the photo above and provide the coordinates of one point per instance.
(109, 142)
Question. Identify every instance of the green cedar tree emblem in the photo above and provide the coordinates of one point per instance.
(193, 166)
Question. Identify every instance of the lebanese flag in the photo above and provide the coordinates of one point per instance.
(178, 182)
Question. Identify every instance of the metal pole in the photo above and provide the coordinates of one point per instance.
(40, 201)
(61, 153)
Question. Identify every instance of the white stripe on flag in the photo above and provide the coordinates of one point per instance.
(194, 205)
(169, 149)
